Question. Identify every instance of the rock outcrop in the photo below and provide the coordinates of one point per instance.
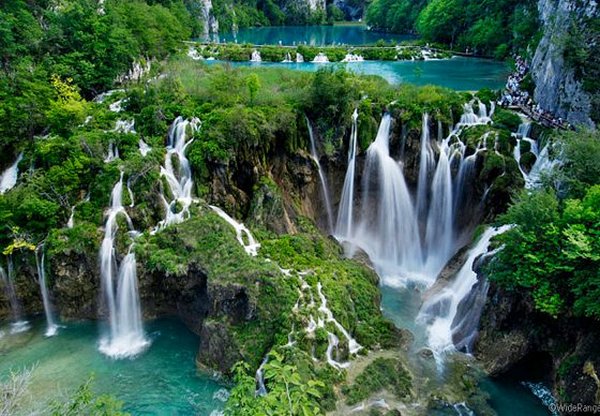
(518, 341)
(557, 88)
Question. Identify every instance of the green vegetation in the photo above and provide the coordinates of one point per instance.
(73, 49)
(16, 387)
(382, 373)
(462, 24)
(551, 254)
(249, 13)
(582, 52)
(269, 53)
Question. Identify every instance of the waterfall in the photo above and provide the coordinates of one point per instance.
(8, 279)
(410, 241)
(426, 164)
(255, 56)
(343, 228)
(390, 235)
(469, 118)
(350, 57)
(8, 178)
(126, 337)
(543, 163)
(51, 327)
(144, 148)
(113, 152)
(440, 310)
(288, 58)
(250, 245)
(324, 187)
(439, 237)
(261, 389)
(71, 220)
(180, 182)
(321, 58)
(124, 126)
(299, 58)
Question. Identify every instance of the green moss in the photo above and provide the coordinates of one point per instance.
(382, 373)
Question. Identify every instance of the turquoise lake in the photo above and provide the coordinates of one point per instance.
(163, 380)
(463, 74)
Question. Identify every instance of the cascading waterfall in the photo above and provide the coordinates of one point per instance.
(180, 183)
(543, 163)
(345, 219)
(255, 56)
(439, 234)
(321, 58)
(144, 147)
(250, 245)
(412, 241)
(51, 327)
(391, 237)
(18, 324)
(440, 311)
(126, 336)
(8, 178)
(426, 164)
(324, 187)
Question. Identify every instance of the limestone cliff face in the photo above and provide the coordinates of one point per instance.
(203, 11)
(518, 341)
(557, 88)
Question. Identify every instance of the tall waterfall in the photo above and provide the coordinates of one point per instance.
(426, 164)
(439, 234)
(411, 240)
(324, 187)
(126, 336)
(446, 327)
(345, 219)
(391, 235)
(8, 178)
(8, 279)
(51, 327)
(180, 181)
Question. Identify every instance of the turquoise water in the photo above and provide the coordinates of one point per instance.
(463, 74)
(311, 35)
(161, 381)
(507, 397)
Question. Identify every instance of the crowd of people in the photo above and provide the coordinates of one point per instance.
(513, 95)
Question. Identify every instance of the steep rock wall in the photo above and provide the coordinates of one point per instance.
(557, 88)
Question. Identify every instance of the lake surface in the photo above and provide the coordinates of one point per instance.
(309, 35)
(507, 398)
(161, 381)
(459, 73)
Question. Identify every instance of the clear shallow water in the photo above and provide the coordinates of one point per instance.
(161, 381)
(312, 35)
(463, 74)
(507, 397)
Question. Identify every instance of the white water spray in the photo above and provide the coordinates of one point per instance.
(8, 178)
(51, 327)
(126, 336)
(345, 219)
(324, 187)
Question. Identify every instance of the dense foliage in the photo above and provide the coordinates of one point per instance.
(44, 50)
(249, 13)
(479, 26)
(551, 254)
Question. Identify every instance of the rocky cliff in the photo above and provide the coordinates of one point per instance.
(518, 342)
(559, 87)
